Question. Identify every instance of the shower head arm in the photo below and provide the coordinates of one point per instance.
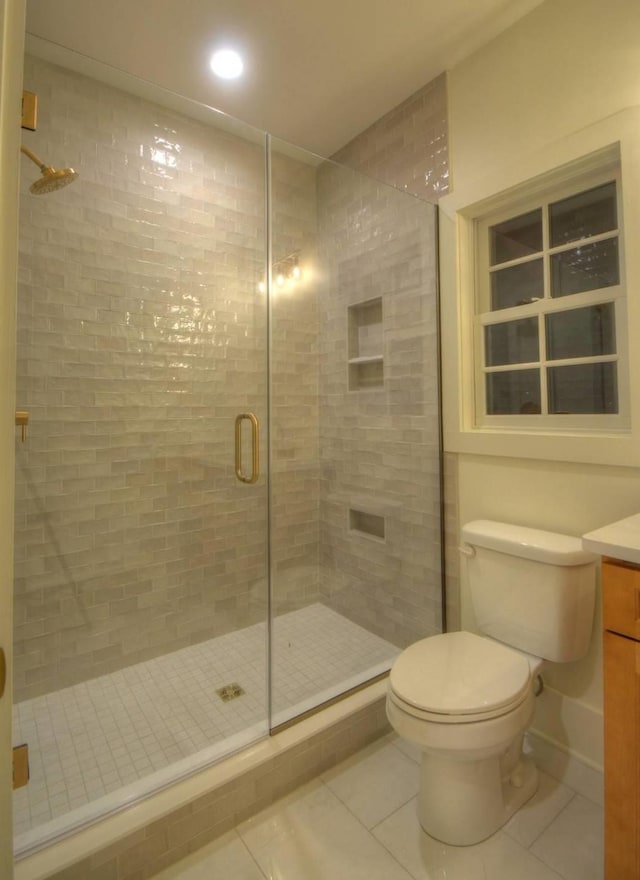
(35, 159)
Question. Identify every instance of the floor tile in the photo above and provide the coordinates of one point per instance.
(498, 858)
(139, 720)
(408, 748)
(375, 782)
(573, 843)
(538, 813)
(227, 857)
(311, 835)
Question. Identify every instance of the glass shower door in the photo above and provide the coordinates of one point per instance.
(141, 508)
(356, 570)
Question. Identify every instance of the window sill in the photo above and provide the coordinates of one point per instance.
(606, 448)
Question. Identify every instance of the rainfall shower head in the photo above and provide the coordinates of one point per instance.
(51, 179)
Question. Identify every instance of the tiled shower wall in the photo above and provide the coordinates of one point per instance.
(379, 431)
(408, 149)
(294, 384)
(141, 336)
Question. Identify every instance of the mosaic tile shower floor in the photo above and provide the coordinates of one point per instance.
(91, 743)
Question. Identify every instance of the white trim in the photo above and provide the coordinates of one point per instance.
(12, 14)
(582, 151)
(546, 304)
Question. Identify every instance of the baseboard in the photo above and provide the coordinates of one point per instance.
(566, 766)
(572, 725)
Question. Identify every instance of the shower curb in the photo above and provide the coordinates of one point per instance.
(140, 841)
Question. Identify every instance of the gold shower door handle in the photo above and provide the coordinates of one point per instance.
(255, 445)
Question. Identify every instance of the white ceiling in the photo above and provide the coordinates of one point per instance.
(318, 72)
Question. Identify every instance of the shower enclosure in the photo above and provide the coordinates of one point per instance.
(228, 496)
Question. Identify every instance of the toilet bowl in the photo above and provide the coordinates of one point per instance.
(466, 700)
(468, 717)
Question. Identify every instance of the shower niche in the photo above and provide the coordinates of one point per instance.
(366, 361)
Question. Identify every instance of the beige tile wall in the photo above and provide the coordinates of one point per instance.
(294, 385)
(141, 335)
(408, 147)
(379, 444)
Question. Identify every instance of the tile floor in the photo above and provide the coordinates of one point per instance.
(91, 743)
(358, 822)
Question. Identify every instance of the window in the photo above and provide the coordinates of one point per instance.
(550, 301)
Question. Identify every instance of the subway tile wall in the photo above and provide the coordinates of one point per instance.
(142, 333)
(408, 147)
(379, 432)
(294, 383)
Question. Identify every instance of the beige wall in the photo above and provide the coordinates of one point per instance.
(531, 97)
(11, 43)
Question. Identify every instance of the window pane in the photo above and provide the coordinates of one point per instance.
(589, 267)
(582, 215)
(578, 333)
(583, 388)
(514, 342)
(517, 237)
(513, 392)
(517, 285)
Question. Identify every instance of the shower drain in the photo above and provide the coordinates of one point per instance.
(230, 692)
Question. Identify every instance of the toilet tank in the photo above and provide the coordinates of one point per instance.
(531, 589)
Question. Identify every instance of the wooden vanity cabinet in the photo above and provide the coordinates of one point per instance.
(621, 618)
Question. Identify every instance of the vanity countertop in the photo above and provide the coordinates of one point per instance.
(619, 540)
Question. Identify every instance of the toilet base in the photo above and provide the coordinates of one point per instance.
(464, 802)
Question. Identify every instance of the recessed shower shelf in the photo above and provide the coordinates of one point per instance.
(374, 359)
(365, 359)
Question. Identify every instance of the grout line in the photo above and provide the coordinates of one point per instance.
(147, 737)
(253, 858)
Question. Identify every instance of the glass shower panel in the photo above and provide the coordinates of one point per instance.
(141, 582)
(355, 462)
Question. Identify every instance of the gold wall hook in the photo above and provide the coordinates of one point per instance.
(22, 420)
(29, 111)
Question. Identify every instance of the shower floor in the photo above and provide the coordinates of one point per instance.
(98, 745)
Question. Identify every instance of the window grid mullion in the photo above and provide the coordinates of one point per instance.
(583, 242)
(548, 305)
(560, 362)
(542, 353)
(542, 337)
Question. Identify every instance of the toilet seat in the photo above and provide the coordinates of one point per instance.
(459, 677)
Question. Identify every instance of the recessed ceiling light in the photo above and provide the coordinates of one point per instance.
(227, 64)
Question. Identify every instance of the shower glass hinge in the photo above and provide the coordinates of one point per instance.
(230, 692)
(20, 765)
(29, 111)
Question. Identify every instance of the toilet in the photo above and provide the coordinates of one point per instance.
(466, 700)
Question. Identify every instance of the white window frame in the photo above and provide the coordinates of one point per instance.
(523, 202)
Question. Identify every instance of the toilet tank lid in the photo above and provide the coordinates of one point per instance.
(536, 544)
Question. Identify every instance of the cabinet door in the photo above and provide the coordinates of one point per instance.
(621, 598)
(622, 757)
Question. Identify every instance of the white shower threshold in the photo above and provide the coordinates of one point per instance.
(114, 741)
(72, 849)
